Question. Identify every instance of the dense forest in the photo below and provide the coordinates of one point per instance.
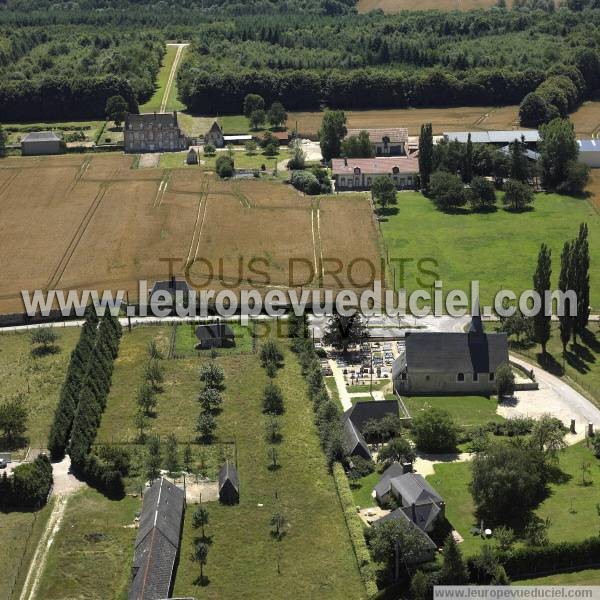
(63, 59)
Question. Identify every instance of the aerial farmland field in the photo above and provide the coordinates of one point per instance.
(123, 221)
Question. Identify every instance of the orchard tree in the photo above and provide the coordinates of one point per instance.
(210, 399)
(206, 426)
(278, 524)
(273, 399)
(153, 458)
(200, 519)
(44, 340)
(332, 132)
(200, 555)
(146, 398)
(116, 109)
(212, 375)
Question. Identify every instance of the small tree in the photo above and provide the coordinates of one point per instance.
(251, 147)
(298, 159)
(435, 431)
(257, 119)
(153, 458)
(209, 150)
(44, 341)
(505, 381)
(384, 191)
(505, 538)
(398, 450)
(200, 555)
(454, 570)
(154, 375)
(273, 430)
(253, 102)
(278, 524)
(200, 519)
(517, 195)
(342, 332)
(212, 375)
(271, 357)
(153, 351)
(206, 426)
(13, 419)
(224, 166)
(482, 195)
(146, 398)
(447, 190)
(210, 399)
(500, 577)
(141, 421)
(273, 400)
(3, 141)
(277, 115)
(171, 454)
(187, 458)
(116, 109)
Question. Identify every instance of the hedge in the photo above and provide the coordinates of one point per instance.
(355, 529)
(526, 562)
(29, 485)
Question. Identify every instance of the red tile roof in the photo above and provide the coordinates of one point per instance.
(381, 165)
(396, 134)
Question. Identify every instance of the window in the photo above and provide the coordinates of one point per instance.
(403, 377)
(357, 170)
(343, 181)
(396, 170)
(491, 377)
(460, 377)
(475, 376)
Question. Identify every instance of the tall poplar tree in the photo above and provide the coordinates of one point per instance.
(541, 284)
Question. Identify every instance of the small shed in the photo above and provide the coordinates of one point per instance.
(229, 484)
(589, 153)
(282, 137)
(192, 157)
(41, 142)
(215, 335)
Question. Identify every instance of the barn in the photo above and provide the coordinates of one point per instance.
(41, 142)
(215, 335)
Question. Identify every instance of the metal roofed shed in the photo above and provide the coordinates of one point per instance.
(530, 136)
(589, 153)
(39, 143)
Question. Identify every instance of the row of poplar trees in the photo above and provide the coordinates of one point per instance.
(85, 390)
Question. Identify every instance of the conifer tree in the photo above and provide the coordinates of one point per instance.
(541, 284)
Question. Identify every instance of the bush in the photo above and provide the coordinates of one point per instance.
(482, 195)
(29, 485)
(446, 190)
(435, 431)
(306, 182)
(209, 150)
(361, 467)
(355, 529)
(224, 166)
(578, 175)
(517, 195)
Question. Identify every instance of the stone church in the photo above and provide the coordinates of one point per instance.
(154, 132)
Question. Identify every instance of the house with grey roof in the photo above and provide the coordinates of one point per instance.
(355, 419)
(153, 132)
(42, 142)
(229, 484)
(450, 362)
(157, 541)
(383, 489)
(390, 141)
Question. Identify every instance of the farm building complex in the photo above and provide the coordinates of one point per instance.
(360, 173)
(153, 132)
(450, 362)
(157, 542)
(385, 142)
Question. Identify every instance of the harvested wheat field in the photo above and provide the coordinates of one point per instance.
(394, 6)
(586, 120)
(442, 119)
(94, 222)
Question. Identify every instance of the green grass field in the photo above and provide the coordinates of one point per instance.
(585, 577)
(363, 488)
(38, 379)
(92, 552)
(242, 160)
(19, 536)
(465, 410)
(567, 524)
(581, 364)
(499, 248)
(155, 102)
(315, 557)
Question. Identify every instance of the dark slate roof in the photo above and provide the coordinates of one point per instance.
(422, 515)
(157, 541)
(430, 352)
(213, 331)
(383, 485)
(215, 127)
(147, 120)
(171, 286)
(353, 438)
(369, 410)
(229, 473)
(41, 136)
(414, 489)
(399, 513)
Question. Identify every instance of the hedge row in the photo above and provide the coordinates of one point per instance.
(526, 562)
(71, 389)
(28, 486)
(355, 529)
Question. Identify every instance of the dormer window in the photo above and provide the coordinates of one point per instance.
(357, 170)
(395, 170)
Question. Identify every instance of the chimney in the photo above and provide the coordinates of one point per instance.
(414, 512)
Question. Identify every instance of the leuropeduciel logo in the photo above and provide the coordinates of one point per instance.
(247, 288)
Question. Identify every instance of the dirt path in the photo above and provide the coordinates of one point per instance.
(174, 67)
(65, 484)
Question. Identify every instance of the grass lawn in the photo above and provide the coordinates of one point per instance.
(585, 577)
(465, 410)
(315, 557)
(506, 244)
(567, 524)
(242, 160)
(186, 341)
(362, 489)
(332, 387)
(365, 387)
(39, 379)
(161, 83)
(19, 536)
(581, 364)
(92, 552)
